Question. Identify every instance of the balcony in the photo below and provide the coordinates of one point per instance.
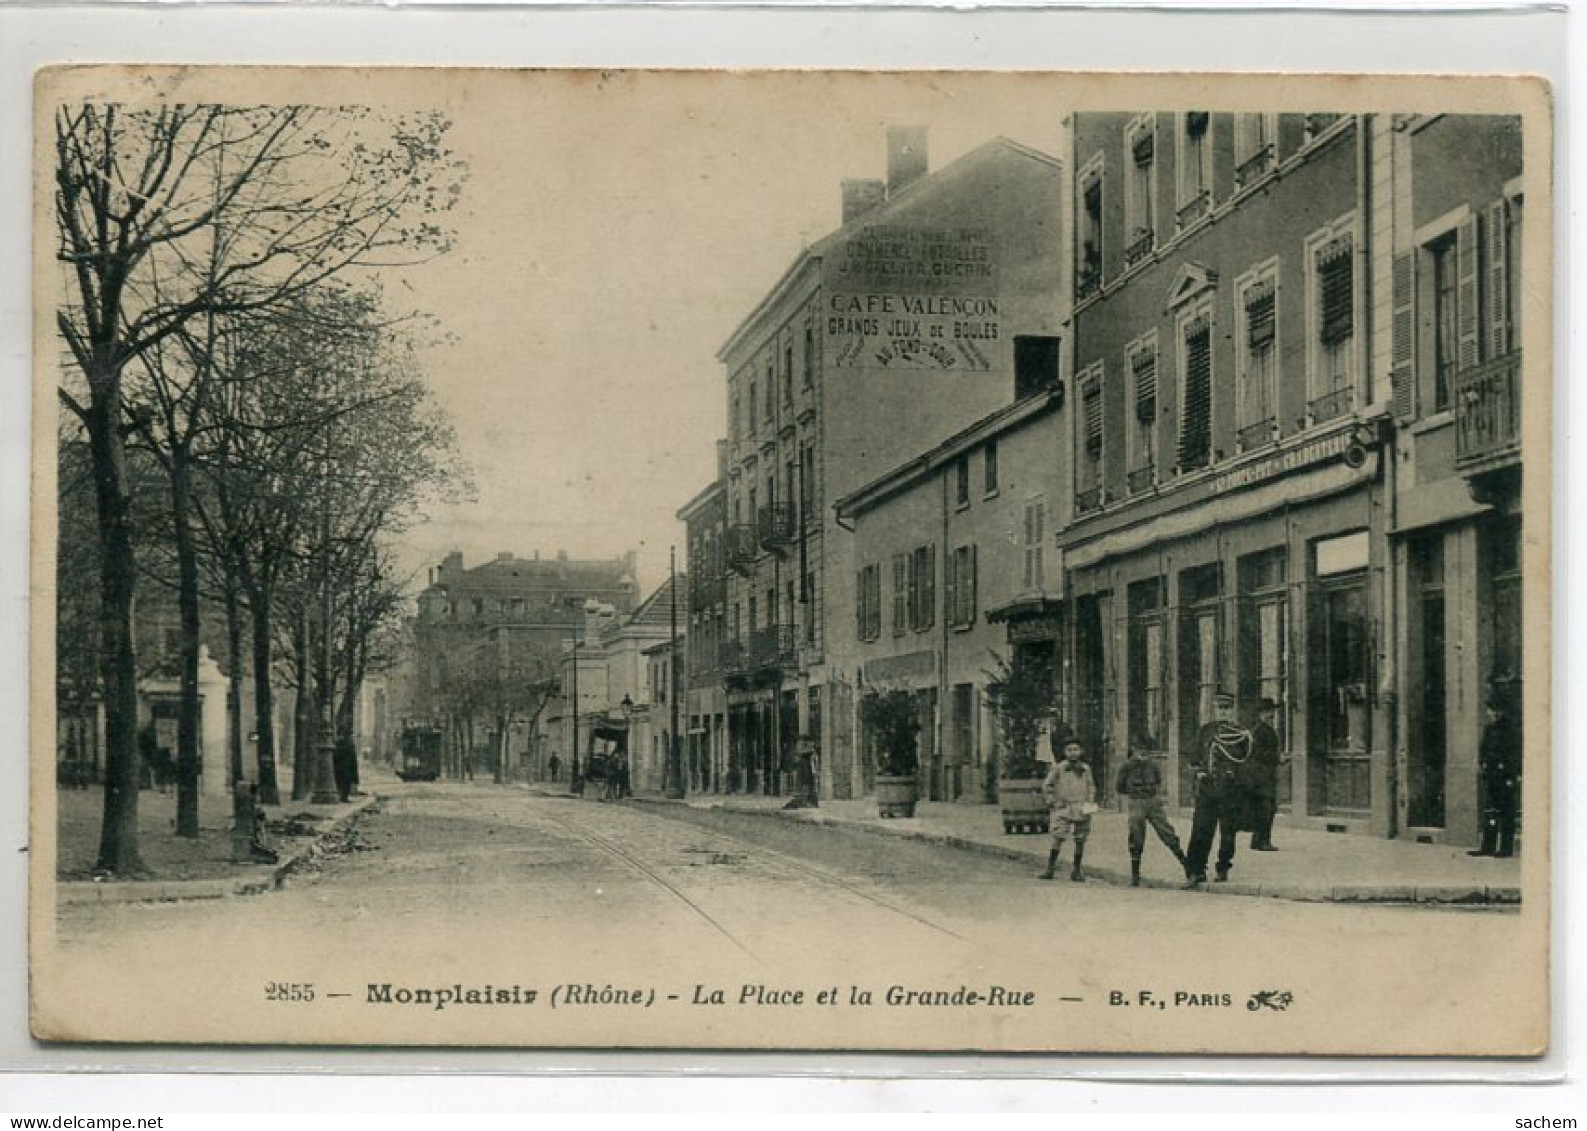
(771, 647)
(1254, 166)
(732, 657)
(1087, 284)
(741, 548)
(1140, 248)
(1194, 208)
(1257, 435)
(1487, 401)
(1088, 501)
(775, 525)
(1330, 405)
(1142, 479)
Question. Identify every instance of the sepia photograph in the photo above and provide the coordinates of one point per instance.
(972, 561)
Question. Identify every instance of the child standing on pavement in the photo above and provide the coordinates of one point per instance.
(1140, 783)
(1071, 794)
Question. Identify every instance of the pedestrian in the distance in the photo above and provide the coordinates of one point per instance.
(1222, 749)
(1071, 795)
(344, 767)
(1262, 782)
(1499, 764)
(556, 768)
(1140, 783)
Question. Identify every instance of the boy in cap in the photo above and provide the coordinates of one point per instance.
(1140, 783)
(1071, 794)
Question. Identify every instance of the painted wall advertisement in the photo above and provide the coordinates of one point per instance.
(915, 298)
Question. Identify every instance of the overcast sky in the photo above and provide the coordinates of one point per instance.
(613, 233)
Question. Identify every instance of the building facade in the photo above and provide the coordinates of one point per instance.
(970, 513)
(895, 331)
(1265, 346)
(705, 702)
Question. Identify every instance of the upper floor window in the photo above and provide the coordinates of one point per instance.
(1088, 467)
(1036, 364)
(810, 356)
(1139, 188)
(1195, 166)
(902, 597)
(754, 416)
(990, 455)
(1195, 383)
(1443, 257)
(1317, 124)
(787, 374)
(1035, 537)
(1142, 354)
(960, 584)
(961, 481)
(768, 405)
(1255, 137)
(1331, 352)
(923, 588)
(1256, 334)
(868, 602)
(1088, 277)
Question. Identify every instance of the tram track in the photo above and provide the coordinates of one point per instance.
(752, 849)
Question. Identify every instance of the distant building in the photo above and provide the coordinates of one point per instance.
(705, 705)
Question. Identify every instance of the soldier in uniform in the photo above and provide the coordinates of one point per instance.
(1223, 748)
(1140, 783)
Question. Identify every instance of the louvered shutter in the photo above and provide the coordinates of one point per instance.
(1039, 523)
(901, 595)
(967, 589)
(1402, 369)
(1468, 329)
(1497, 221)
(928, 588)
(1260, 319)
(1195, 425)
(1336, 278)
(859, 604)
(950, 586)
(1144, 365)
(1093, 419)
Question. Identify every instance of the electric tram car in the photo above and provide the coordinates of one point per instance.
(421, 753)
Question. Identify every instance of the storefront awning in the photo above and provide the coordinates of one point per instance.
(1024, 608)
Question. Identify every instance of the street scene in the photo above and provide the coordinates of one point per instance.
(1021, 569)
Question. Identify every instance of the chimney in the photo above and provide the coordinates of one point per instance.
(862, 196)
(906, 157)
(451, 565)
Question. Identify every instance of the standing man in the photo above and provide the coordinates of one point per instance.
(1499, 764)
(1223, 748)
(1140, 783)
(1263, 781)
(344, 766)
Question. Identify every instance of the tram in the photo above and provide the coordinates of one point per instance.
(421, 753)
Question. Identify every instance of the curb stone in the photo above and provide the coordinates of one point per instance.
(1448, 895)
(78, 892)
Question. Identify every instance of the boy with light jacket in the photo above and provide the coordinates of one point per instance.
(1071, 795)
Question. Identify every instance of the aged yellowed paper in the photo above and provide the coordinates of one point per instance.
(792, 560)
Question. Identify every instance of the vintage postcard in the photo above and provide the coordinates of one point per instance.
(1010, 562)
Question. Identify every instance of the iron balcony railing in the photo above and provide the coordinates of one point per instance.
(733, 657)
(1487, 402)
(1142, 479)
(1088, 500)
(1256, 435)
(1330, 405)
(1194, 208)
(741, 548)
(772, 646)
(1254, 166)
(776, 525)
(1139, 248)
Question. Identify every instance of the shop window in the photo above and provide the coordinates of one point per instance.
(1426, 704)
(1200, 669)
(1339, 659)
(1264, 645)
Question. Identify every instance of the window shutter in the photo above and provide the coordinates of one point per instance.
(1497, 221)
(1260, 320)
(967, 589)
(1030, 522)
(1093, 419)
(1195, 424)
(1039, 522)
(1335, 286)
(900, 592)
(1402, 372)
(928, 587)
(1144, 365)
(950, 585)
(859, 604)
(1468, 327)
(912, 603)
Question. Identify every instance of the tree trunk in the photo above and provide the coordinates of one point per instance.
(501, 749)
(234, 764)
(187, 721)
(303, 732)
(118, 842)
(264, 704)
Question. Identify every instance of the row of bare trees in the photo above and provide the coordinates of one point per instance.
(248, 416)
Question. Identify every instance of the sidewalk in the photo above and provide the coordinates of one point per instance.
(201, 868)
(1310, 865)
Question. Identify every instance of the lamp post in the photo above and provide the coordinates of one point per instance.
(576, 775)
(626, 769)
(674, 776)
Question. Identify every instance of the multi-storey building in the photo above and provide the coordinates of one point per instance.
(1274, 320)
(705, 520)
(898, 329)
(972, 512)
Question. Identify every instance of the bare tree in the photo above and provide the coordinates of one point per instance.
(286, 197)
